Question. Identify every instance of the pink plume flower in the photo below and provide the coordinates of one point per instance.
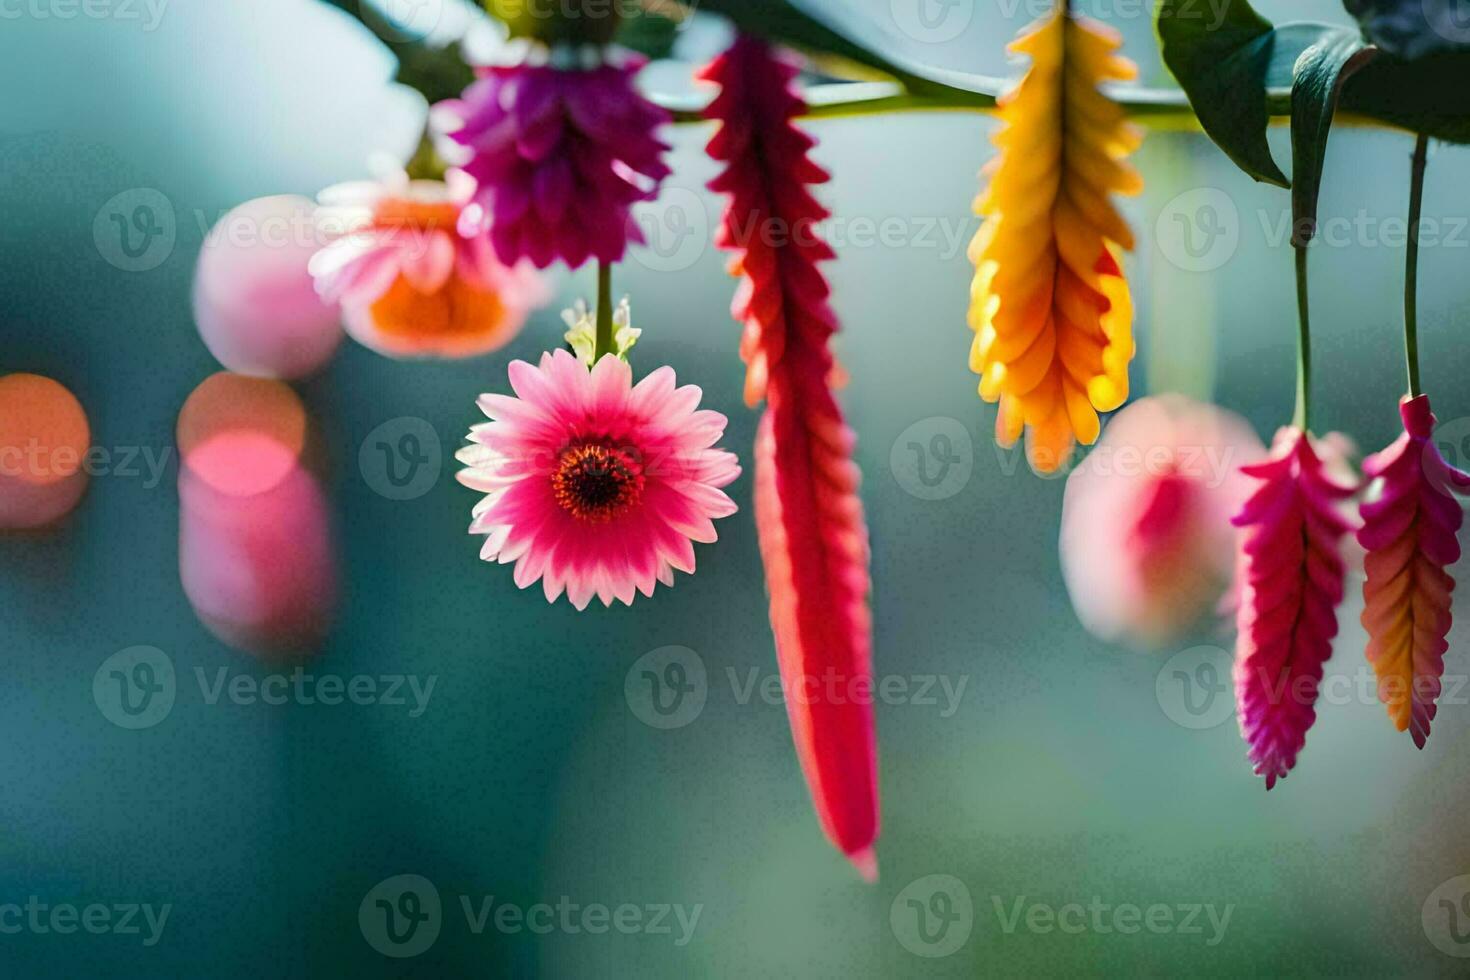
(410, 282)
(560, 155)
(592, 484)
(1293, 580)
(1409, 524)
(1146, 541)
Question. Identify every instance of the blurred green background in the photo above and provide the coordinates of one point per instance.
(1059, 775)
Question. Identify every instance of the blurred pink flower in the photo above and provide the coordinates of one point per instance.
(256, 554)
(410, 283)
(592, 484)
(259, 570)
(253, 298)
(1146, 541)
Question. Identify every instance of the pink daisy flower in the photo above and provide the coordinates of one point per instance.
(409, 282)
(594, 485)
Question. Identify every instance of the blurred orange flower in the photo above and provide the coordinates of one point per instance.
(410, 280)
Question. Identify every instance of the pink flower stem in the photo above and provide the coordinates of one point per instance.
(1411, 267)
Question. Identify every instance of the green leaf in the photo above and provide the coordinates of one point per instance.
(1318, 78)
(1223, 58)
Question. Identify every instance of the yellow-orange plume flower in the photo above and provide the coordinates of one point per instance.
(1050, 308)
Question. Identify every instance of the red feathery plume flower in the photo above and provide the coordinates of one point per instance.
(1408, 534)
(813, 539)
(1292, 582)
(560, 154)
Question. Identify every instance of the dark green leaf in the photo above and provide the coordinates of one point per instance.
(1427, 96)
(1223, 59)
(1318, 77)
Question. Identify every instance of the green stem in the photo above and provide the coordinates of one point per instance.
(1162, 108)
(1411, 268)
(425, 164)
(1303, 416)
(441, 72)
(604, 342)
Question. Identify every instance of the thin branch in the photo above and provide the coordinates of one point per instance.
(441, 73)
(437, 72)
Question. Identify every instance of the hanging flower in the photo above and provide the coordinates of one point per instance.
(1293, 580)
(1049, 305)
(560, 153)
(1146, 542)
(594, 485)
(1409, 524)
(409, 281)
(813, 539)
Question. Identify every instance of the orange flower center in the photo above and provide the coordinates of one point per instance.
(596, 483)
(459, 309)
(411, 215)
